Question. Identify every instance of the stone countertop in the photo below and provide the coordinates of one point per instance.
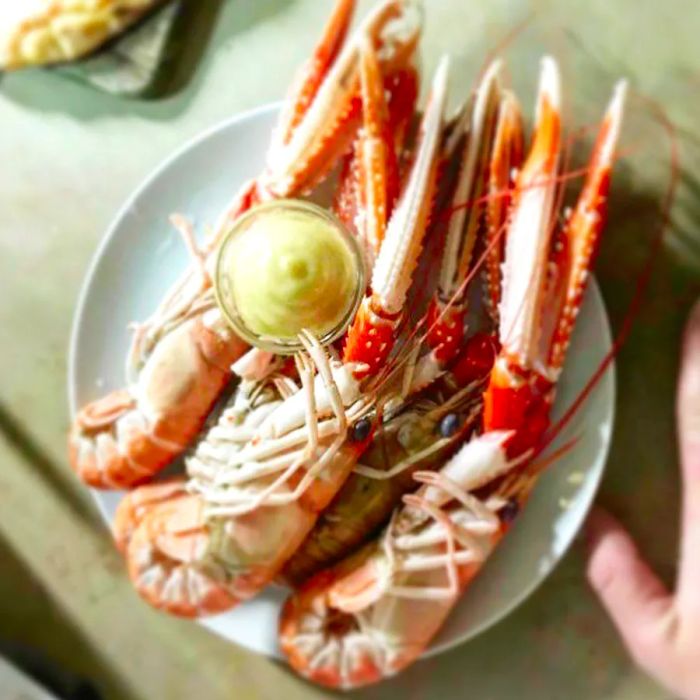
(70, 155)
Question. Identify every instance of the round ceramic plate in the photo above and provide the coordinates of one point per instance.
(141, 256)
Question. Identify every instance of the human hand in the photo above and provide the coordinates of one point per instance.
(660, 629)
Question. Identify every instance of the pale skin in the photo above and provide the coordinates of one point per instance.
(660, 628)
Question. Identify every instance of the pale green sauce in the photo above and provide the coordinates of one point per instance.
(291, 270)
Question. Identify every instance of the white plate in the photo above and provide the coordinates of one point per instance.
(139, 258)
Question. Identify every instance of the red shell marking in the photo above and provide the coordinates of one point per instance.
(519, 401)
(402, 89)
(476, 359)
(445, 330)
(370, 338)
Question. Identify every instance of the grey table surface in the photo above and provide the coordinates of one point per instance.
(70, 155)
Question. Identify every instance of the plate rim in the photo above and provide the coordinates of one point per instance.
(111, 232)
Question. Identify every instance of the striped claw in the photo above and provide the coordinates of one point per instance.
(326, 109)
(370, 182)
(312, 75)
(371, 337)
(579, 240)
(506, 159)
(447, 311)
(544, 275)
(529, 233)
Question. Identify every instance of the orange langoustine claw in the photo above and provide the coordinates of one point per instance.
(371, 337)
(507, 159)
(370, 179)
(376, 612)
(181, 358)
(543, 293)
(448, 307)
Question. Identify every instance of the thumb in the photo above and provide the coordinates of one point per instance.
(634, 597)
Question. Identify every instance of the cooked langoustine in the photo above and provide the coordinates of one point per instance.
(419, 437)
(375, 613)
(260, 477)
(181, 358)
(413, 437)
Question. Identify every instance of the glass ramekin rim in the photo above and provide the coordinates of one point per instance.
(287, 346)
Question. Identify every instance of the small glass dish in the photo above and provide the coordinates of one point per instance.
(224, 286)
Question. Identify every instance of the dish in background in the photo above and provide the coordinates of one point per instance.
(43, 32)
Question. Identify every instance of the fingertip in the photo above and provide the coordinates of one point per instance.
(688, 414)
(610, 549)
(634, 597)
(693, 323)
(598, 521)
(691, 340)
(688, 398)
(597, 525)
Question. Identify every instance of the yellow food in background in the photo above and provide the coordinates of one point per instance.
(37, 32)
